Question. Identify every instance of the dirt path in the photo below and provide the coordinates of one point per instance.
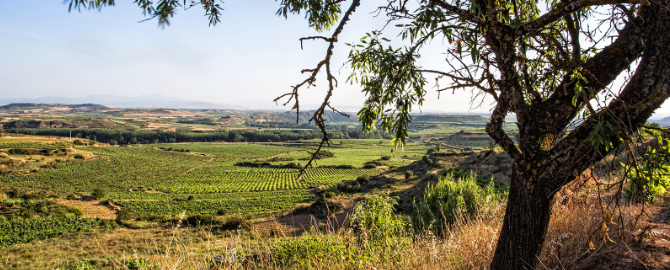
(189, 170)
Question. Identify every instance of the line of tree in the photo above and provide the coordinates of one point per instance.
(117, 136)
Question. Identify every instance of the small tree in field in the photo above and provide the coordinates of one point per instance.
(551, 63)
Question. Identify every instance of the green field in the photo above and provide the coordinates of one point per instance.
(203, 178)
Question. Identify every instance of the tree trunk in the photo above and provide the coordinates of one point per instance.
(525, 224)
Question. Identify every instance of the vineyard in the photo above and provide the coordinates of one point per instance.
(235, 150)
(151, 204)
(203, 178)
(114, 168)
(25, 230)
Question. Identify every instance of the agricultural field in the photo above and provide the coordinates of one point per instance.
(205, 178)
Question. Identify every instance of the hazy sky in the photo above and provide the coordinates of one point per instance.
(252, 55)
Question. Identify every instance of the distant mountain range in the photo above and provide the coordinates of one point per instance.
(145, 101)
(664, 122)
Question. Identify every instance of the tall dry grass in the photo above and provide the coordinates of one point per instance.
(468, 244)
(575, 239)
(590, 233)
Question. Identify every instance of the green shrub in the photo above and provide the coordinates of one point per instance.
(379, 232)
(139, 264)
(375, 216)
(352, 186)
(235, 223)
(301, 252)
(83, 265)
(14, 193)
(447, 201)
(408, 175)
(33, 196)
(99, 193)
(369, 166)
(108, 224)
(124, 214)
(202, 220)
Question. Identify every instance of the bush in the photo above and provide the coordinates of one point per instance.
(375, 218)
(351, 186)
(299, 253)
(369, 166)
(99, 193)
(222, 212)
(427, 160)
(448, 201)
(108, 224)
(235, 223)
(386, 158)
(32, 196)
(14, 193)
(362, 179)
(83, 265)
(124, 214)
(202, 220)
(323, 154)
(408, 175)
(71, 197)
(139, 264)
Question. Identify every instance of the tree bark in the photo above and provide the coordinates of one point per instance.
(525, 224)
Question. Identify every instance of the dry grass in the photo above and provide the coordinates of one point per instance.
(575, 240)
(90, 209)
(579, 236)
(468, 245)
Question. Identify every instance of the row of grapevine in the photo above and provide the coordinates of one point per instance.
(25, 230)
(253, 204)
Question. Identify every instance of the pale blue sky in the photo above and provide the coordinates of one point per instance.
(251, 55)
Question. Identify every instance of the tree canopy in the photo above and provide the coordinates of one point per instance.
(600, 67)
